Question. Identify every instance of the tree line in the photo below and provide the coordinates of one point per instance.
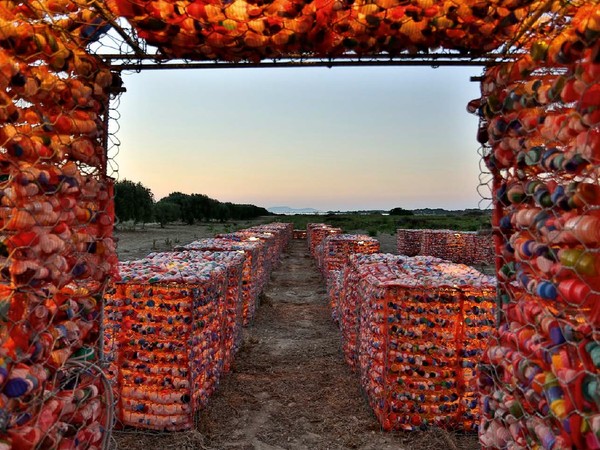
(135, 202)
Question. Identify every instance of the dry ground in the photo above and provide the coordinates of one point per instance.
(289, 387)
(134, 244)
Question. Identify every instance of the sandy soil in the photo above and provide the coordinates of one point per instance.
(289, 387)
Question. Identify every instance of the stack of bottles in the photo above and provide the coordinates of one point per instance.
(315, 233)
(56, 247)
(52, 392)
(464, 247)
(241, 30)
(299, 234)
(445, 244)
(540, 121)
(350, 300)
(481, 249)
(337, 247)
(409, 241)
(268, 251)
(173, 323)
(233, 262)
(424, 324)
(539, 124)
(335, 251)
(164, 333)
(250, 271)
(282, 233)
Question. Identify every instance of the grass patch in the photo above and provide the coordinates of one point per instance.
(378, 223)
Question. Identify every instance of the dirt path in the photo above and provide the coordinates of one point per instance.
(290, 388)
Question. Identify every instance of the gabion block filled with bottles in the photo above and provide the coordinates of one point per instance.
(539, 126)
(539, 129)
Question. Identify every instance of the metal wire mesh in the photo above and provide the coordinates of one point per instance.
(540, 126)
(173, 325)
(56, 224)
(333, 255)
(414, 328)
(463, 247)
(540, 137)
(240, 30)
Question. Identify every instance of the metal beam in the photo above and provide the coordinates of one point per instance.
(159, 62)
(139, 67)
(106, 16)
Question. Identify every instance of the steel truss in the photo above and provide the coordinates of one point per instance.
(121, 62)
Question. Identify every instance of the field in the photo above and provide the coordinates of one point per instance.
(290, 387)
(136, 242)
(378, 224)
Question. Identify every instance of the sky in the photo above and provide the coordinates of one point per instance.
(331, 139)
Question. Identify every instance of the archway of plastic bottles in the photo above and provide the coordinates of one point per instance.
(539, 129)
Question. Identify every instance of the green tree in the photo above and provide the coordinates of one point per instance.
(222, 213)
(144, 203)
(201, 207)
(244, 212)
(133, 201)
(212, 208)
(186, 206)
(125, 200)
(198, 205)
(401, 212)
(166, 212)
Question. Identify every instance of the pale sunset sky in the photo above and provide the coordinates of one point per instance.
(331, 139)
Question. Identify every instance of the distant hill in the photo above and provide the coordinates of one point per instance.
(288, 210)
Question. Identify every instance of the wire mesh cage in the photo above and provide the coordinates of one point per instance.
(334, 252)
(539, 124)
(56, 219)
(414, 328)
(250, 271)
(540, 144)
(172, 327)
(165, 341)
